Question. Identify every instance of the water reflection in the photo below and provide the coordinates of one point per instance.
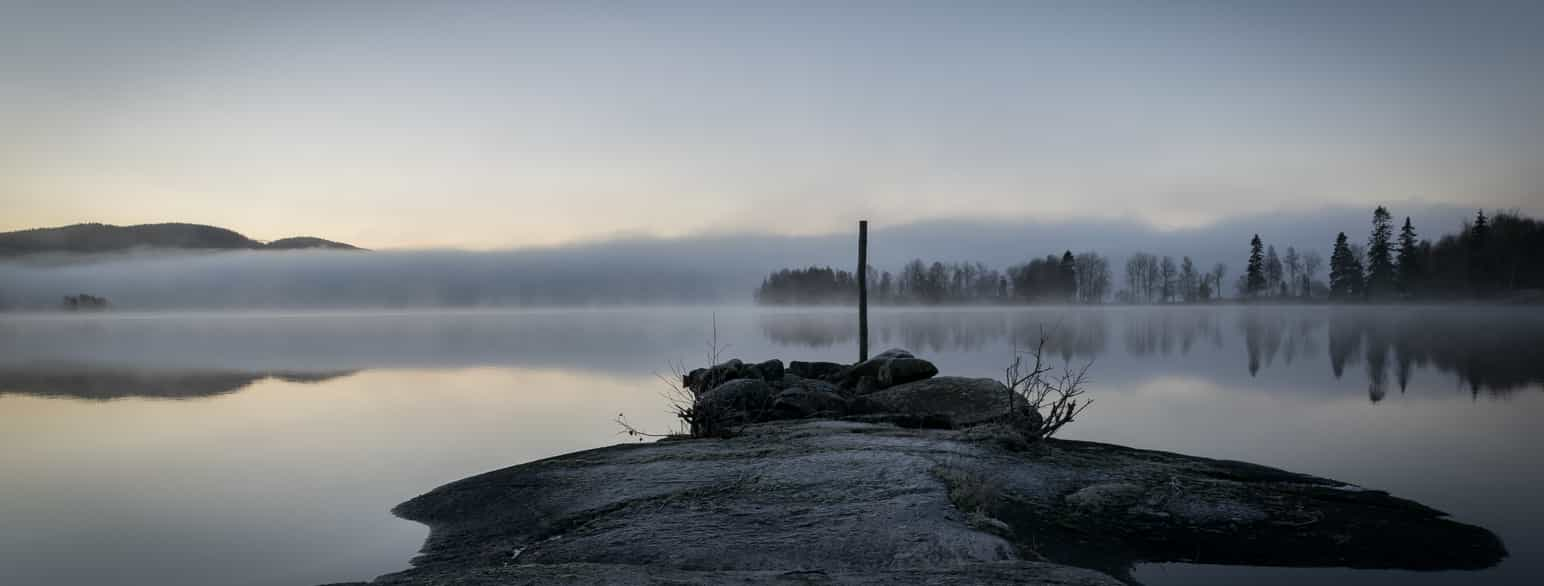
(86, 381)
(1269, 333)
(1164, 333)
(1073, 333)
(294, 434)
(1494, 350)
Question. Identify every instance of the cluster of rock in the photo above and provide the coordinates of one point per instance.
(894, 383)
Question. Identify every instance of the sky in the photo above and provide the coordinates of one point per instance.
(490, 125)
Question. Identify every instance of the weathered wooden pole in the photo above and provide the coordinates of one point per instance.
(862, 290)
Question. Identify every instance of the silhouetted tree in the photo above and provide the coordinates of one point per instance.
(1138, 278)
(811, 286)
(1380, 255)
(1273, 270)
(1359, 269)
(1409, 260)
(1340, 259)
(1167, 272)
(1479, 249)
(1189, 281)
(1345, 270)
(1219, 271)
(1067, 277)
(1093, 276)
(1254, 272)
(1293, 265)
(1311, 263)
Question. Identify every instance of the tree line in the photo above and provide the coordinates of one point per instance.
(1489, 257)
(1064, 278)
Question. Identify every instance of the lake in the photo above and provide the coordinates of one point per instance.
(267, 448)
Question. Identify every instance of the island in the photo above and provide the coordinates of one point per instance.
(881, 472)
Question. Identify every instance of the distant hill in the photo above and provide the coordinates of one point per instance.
(96, 238)
(300, 242)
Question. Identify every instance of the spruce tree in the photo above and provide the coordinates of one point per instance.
(1067, 273)
(1340, 268)
(1380, 254)
(1254, 273)
(1409, 259)
(1479, 244)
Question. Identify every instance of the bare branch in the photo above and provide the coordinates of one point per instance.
(1049, 401)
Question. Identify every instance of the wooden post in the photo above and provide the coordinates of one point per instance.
(862, 290)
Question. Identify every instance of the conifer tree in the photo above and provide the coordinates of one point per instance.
(1067, 273)
(1340, 268)
(1479, 253)
(1254, 273)
(1409, 259)
(1380, 255)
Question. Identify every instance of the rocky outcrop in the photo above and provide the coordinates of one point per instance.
(899, 371)
(962, 401)
(798, 402)
(826, 502)
(734, 403)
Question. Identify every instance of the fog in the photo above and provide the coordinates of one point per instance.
(701, 269)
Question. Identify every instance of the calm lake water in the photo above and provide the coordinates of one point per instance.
(265, 448)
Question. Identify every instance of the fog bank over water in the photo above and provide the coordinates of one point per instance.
(708, 268)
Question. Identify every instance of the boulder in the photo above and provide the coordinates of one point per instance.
(771, 370)
(816, 370)
(848, 378)
(733, 369)
(736, 402)
(965, 401)
(896, 371)
(797, 402)
(865, 385)
(708, 378)
(752, 371)
(791, 381)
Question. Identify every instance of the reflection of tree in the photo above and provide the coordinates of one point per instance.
(1161, 332)
(816, 331)
(1377, 364)
(1497, 350)
(1071, 334)
(1268, 333)
(1345, 338)
(1494, 349)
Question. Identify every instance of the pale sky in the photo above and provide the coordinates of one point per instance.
(507, 124)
